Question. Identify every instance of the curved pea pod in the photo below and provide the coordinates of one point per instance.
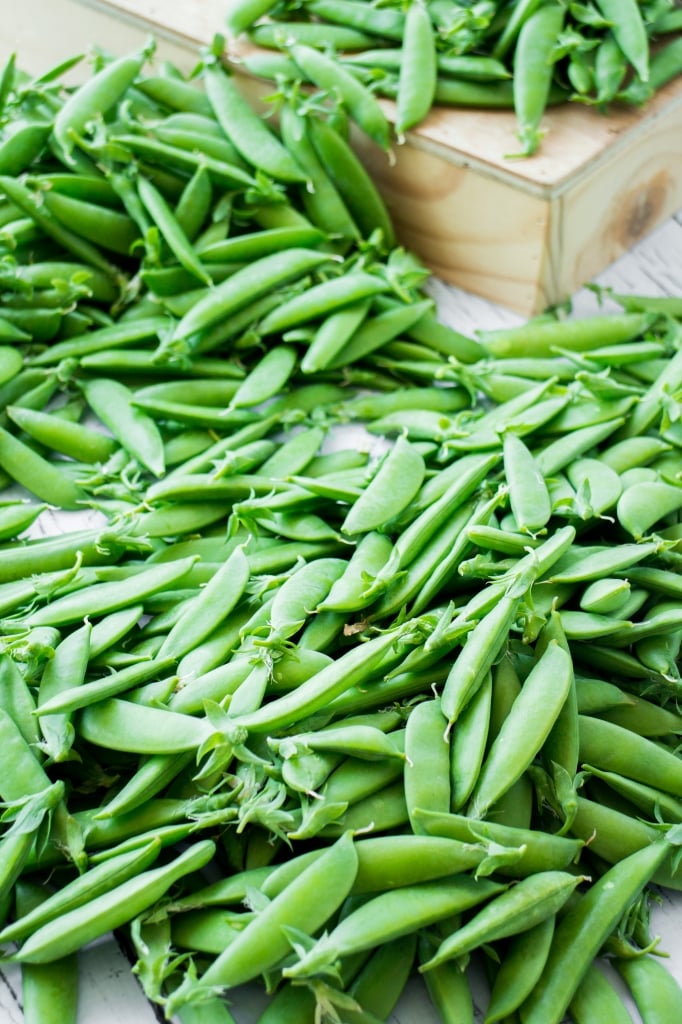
(42, 478)
(17, 517)
(321, 299)
(22, 142)
(83, 924)
(101, 598)
(606, 596)
(644, 504)
(72, 439)
(633, 452)
(95, 97)
(614, 748)
(391, 489)
(361, 104)
(528, 495)
(526, 904)
(268, 377)
(590, 626)
(520, 969)
(468, 744)
(596, 1000)
(356, 187)
(111, 402)
(581, 565)
(597, 487)
(390, 915)
(369, 558)
(209, 608)
(656, 991)
(301, 594)
(247, 284)
(533, 72)
(97, 880)
(245, 129)
(99, 224)
(526, 727)
(305, 904)
(121, 725)
(582, 930)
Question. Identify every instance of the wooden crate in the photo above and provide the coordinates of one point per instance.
(525, 233)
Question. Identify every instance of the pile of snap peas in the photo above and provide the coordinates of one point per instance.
(286, 711)
(516, 54)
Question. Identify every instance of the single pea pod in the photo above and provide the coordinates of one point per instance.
(391, 489)
(245, 129)
(528, 495)
(94, 98)
(534, 70)
(417, 81)
(656, 991)
(644, 504)
(328, 74)
(523, 906)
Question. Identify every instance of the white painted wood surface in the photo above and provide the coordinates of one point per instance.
(109, 993)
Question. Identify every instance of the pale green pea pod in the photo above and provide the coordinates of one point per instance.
(392, 914)
(596, 485)
(639, 475)
(266, 379)
(633, 452)
(585, 564)
(477, 656)
(393, 486)
(560, 453)
(528, 495)
(606, 596)
(526, 904)
(301, 594)
(645, 504)
(349, 592)
(578, 625)
(525, 729)
(111, 402)
(363, 741)
(120, 725)
(427, 759)
(45, 479)
(66, 669)
(306, 904)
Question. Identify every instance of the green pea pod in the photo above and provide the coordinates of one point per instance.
(614, 748)
(328, 74)
(111, 402)
(392, 914)
(528, 494)
(417, 82)
(170, 229)
(630, 32)
(534, 70)
(526, 904)
(42, 478)
(468, 744)
(245, 129)
(526, 728)
(95, 97)
(656, 991)
(392, 488)
(321, 299)
(306, 903)
(247, 284)
(72, 439)
(521, 968)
